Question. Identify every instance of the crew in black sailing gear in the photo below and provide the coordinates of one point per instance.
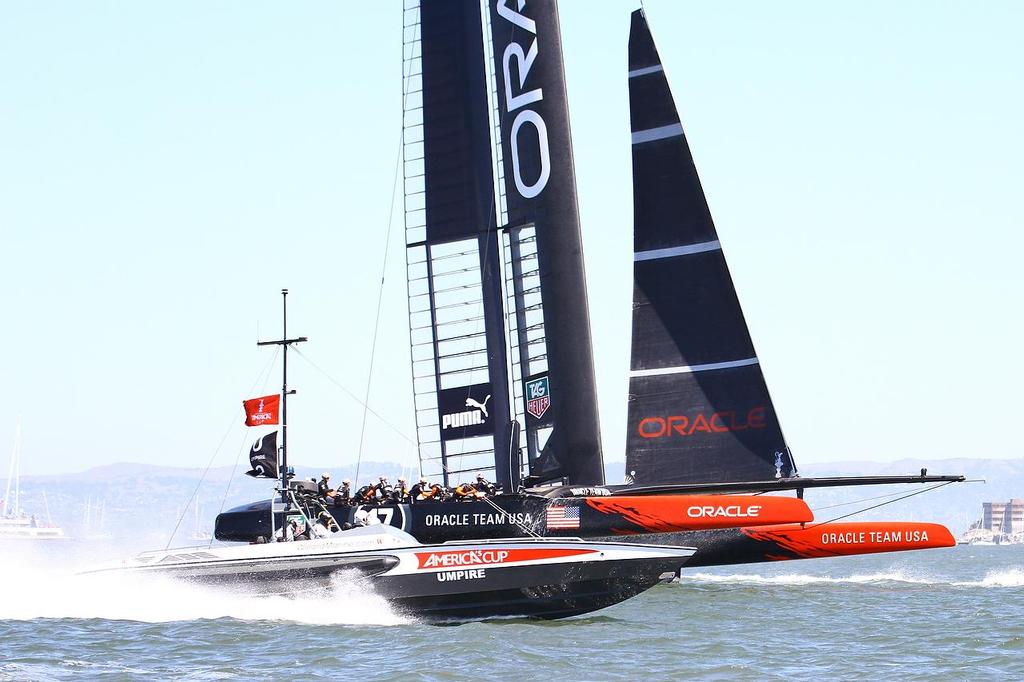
(384, 489)
(367, 494)
(343, 497)
(400, 493)
(323, 488)
(422, 492)
(484, 486)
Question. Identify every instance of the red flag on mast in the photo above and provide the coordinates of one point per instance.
(262, 411)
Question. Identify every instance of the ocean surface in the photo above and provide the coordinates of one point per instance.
(941, 614)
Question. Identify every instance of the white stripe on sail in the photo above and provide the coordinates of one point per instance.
(659, 133)
(671, 251)
(689, 369)
(645, 70)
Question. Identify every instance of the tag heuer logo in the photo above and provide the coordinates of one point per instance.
(538, 398)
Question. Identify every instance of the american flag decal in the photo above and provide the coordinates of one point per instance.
(563, 517)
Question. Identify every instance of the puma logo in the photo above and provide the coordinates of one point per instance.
(480, 406)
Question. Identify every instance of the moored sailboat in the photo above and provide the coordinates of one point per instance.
(15, 522)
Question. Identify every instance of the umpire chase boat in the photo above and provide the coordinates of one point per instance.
(472, 579)
(500, 325)
(451, 581)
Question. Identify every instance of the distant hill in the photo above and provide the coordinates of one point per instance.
(148, 500)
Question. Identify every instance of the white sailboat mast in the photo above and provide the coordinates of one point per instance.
(14, 476)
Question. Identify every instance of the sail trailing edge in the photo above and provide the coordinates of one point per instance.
(699, 408)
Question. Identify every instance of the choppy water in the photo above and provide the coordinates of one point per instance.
(942, 614)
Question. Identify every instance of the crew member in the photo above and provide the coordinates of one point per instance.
(323, 488)
(367, 494)
(401, 491)
(324, 526)
(343, 497)
(384, 489)
(466, 491)
(484, 486)
(294, 531)
(422, 491)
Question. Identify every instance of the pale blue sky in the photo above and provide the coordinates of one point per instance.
(166, 168)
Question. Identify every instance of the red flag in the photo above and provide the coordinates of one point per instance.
(261, 411)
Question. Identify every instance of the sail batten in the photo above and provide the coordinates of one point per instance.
(699, 409)
(659, 133)
(690, 369)
(684, 250)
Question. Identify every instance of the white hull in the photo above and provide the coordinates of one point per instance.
(547, 578)
(24, 531)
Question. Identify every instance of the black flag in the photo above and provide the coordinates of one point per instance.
(263, 457)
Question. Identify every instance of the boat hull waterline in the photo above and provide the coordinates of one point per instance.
(453, 581)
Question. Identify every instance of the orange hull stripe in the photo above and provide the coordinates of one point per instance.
(669, 513)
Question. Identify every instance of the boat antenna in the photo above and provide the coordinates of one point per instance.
(284, 342)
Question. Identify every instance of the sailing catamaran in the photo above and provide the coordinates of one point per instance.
(500, 329)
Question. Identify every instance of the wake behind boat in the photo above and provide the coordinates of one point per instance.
(470, 580)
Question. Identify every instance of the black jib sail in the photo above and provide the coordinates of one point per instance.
(555, 355)
(699, 409)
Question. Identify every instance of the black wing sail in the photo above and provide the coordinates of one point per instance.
(456, 310)
(543, 228)
(699, 409)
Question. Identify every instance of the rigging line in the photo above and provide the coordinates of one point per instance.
(266, 371)
(520, 524)
(406, 75)
(881, 504)
(231, 478)
(858, 501)
(353, 396)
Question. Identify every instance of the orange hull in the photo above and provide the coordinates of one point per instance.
(851, 538)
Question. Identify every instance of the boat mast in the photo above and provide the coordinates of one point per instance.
(10, 472)
(285, 342)
(16, 465)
